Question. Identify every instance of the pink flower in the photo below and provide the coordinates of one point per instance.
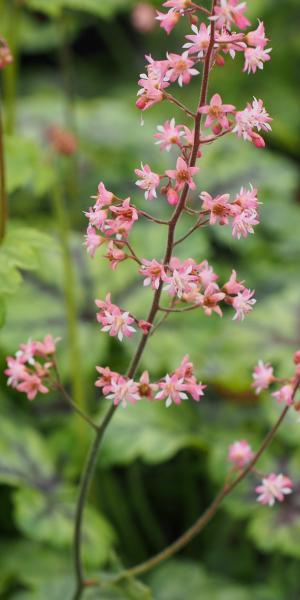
(242, 304)
(145, 388)
(15, 372)
(231, 13)
(180, 5)
(247, 199)
(244, 222)
(92, 240)
(143, 17)
(115, 255)
(144, 326)
(240, 454)
(182, 279)
(169, 134)
(172, 196)
(199, 41)
(211, 298)
(114, 321)
(31, 385)
(257, 37)
(274, 487)
(262, 376)
(104, 197)
(106, 378)
(232, 286)
(125, 211)
(168, 20)
(255, 58)
(47, 346)
(229, 43)
(149, 181)
(27, 352)
(123, 391)
(185, 371)
(285, 395)
(219, 207)
(183, 174)
(96, 216)
(172, 390)
(153, 271)
(152, 84)
(216, 111)
(180, 68)
(254, 116)
(206, 274)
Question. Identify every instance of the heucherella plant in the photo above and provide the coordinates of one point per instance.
(176, 285)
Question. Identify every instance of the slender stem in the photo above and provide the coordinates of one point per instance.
(77, 409)
(197, 527)
(173, 100)
(179, 310)
(191, 230)
(212, 138)
(89, 469)
(3, 195)
(151, 218)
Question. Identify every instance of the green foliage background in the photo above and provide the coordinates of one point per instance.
(76, 64)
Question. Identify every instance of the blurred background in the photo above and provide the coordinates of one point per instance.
(68, 108)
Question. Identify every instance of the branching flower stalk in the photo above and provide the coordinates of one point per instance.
(187, 285)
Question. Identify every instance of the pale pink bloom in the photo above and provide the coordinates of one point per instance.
(106, 304)
(171, 390)
(211, 298)
(195, 389)
(169, 134)
(115, 255)
(153, 271)
(148, 97)
(182, 279)
(27, 352)
(219, 207)
(216, 111)
(119, 227)
(229, 43)
(247, 199)
(96, 216)
(199, 40)
(240, 454)
(106, 378)
(244, 222)
(243, 304)
(114, 321)
(168, 20)
(92, 240)
(149, 181)
(185, 371)
(143, 17)
(104, 197)
(152, 84)
(232, 286)
(262, 376)
(229, 13)
(254, 116)
(145, 388)
(206, 274)
(31, 385)
(157, 70)
(172, 196)
(47, 346)
(180, 68)
(183, 174)
(257, 38)
(285, 395)
(274, 487)
(255, 58)
(123, 391)
(125, 211)
(15, 371)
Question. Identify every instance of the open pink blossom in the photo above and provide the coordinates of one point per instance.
(244, 222)
(217, 112)
(96, 216)
(168, 20)
(114, 321)
(181, 279)
(240, 454)
(254, 116)
(206, 274)
(31, 385)
(219, 207)
(171, 390)
(255, 58)
(211, 298)
(16, 370)
(262, 376)
(229, 43)
(104, 197)
(231, 12)
(168, 135)
(247, 199)
(198, 40)
(115, 255)
(92, 240)
(257, 38)
(27, 352)
(274, 487)
(145, 388)
(243, 304)
(47, 346)
(123, 391)
(153, 271)
(180, 68)
(107, 376)
(285, 395)
(149, 181)
(232, 286)
(183, 174)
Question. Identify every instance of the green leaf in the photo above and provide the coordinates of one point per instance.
(101, 8)
(48, 516)
(25, 166)
(152, 432)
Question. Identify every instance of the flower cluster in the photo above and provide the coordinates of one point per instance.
(172, 388)
(30, 369)
(263, 377)
(117, 322)
(243, 211)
